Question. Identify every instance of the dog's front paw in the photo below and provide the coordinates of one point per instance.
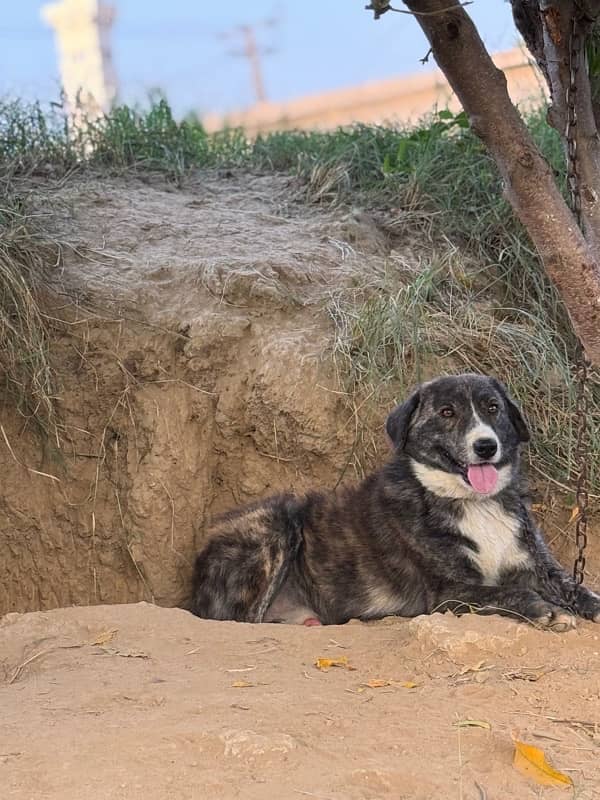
(588, 605)
(553, 618)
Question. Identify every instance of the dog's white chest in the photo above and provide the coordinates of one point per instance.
(495, 534)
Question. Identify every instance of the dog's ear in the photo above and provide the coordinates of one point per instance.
(514, 413)
(398, 422)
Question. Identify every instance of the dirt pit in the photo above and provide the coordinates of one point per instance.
(137, 701)
(192, 348)
(192, 344)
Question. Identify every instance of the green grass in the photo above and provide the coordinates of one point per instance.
(482, 300)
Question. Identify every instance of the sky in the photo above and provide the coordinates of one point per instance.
(187, 48)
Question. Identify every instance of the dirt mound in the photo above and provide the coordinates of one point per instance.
(141, 702)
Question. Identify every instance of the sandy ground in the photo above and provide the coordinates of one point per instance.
(136, 701)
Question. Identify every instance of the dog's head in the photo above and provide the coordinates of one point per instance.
(462, 434)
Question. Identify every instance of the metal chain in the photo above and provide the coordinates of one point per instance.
(575, 49)
(581, 458)
(582, 365)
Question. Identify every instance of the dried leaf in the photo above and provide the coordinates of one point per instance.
(105, 636)
(249, 668)
(480, 665)
(574, 514)
(531, 761)
(111, 651)
(379, 683)
(325, 664)
(241, 684)
(473, 723)
(525, 675)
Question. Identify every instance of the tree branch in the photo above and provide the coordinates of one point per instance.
(527, 17)
(529, 182)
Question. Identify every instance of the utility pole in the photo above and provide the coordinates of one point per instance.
(253, 53)
(82, 29)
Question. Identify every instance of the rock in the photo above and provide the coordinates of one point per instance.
(460, 637)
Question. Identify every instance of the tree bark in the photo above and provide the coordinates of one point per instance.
(529, 183)
(550, 47)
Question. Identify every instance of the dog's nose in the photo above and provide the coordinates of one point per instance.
(485, 448)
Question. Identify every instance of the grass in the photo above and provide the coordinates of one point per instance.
(437, 324)
(480, 302)
(24, 342)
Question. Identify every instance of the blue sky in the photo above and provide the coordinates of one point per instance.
(179, 47)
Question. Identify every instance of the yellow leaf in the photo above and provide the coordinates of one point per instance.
(473, 723)
(105, 636)
(325, 664)
(241, 684)
(409, 685)
(531, 761)
(574, 514)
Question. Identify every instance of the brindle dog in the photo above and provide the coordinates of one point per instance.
(444, 525)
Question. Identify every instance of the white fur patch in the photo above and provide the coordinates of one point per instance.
(481, 431)
(382, 602)
(495, 532)
(453, 486)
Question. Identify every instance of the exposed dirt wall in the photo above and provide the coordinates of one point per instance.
(194, 374)
(192, 347)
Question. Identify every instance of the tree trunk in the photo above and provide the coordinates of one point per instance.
(552, 21)
(529, 183)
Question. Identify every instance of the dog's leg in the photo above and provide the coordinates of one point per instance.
(523, 604)
(553, 581)
(245, 563)
(236, 578)
(232, 580)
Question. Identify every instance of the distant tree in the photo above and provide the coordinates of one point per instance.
(563, 37)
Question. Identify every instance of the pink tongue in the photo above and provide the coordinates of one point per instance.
(483, 477)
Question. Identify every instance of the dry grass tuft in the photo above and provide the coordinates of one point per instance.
(24, 358)
(440, 321)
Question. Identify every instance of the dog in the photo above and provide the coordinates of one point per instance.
(444, 525)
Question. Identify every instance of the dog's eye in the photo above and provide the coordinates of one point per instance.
(493, 408)
(446, 412)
